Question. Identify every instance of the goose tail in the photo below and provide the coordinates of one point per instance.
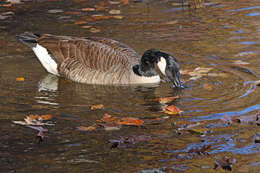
(28, 38)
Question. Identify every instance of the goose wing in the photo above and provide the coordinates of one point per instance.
(91, 60)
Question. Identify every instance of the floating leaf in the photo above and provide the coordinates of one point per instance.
(118, 17)
(35, 120)
(89, 128)
(88, 9)
(131, 121)
(114, 12)
(172, 110)
(96, 107)
(46, 117)
(20, 79)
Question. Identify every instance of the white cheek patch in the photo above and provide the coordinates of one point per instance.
(162, 65)
(46, 60)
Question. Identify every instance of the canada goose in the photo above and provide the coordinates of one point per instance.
(95, 60)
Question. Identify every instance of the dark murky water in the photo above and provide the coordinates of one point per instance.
(216, 36)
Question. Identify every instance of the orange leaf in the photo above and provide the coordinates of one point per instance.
(20, 79)
(33, 117)
(83, 128)
(96, 107)
(46, 117)
(131, 121)
(88, 9)
(172, 110)
(7, 5)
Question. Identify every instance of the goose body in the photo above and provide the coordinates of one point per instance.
(95, 60)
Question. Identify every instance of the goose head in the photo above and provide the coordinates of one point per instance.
(154, 62)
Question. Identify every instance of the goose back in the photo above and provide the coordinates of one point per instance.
(92, 59)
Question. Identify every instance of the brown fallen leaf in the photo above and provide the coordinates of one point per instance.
(20, 79)
(172, 110)
(96, 107)
(130, 121)
(89, 128)
(121, 121)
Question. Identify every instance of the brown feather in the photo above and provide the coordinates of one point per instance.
(91, 60)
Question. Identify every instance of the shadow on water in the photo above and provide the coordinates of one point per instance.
(217, 45)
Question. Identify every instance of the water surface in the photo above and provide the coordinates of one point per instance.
(215, 37)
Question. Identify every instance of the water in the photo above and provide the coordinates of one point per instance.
(212, 37)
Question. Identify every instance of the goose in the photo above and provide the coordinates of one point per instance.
(97, 60)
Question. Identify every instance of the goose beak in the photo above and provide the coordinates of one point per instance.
(177, 82)
(175, 77)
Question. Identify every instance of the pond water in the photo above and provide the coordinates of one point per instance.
(223, 38)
